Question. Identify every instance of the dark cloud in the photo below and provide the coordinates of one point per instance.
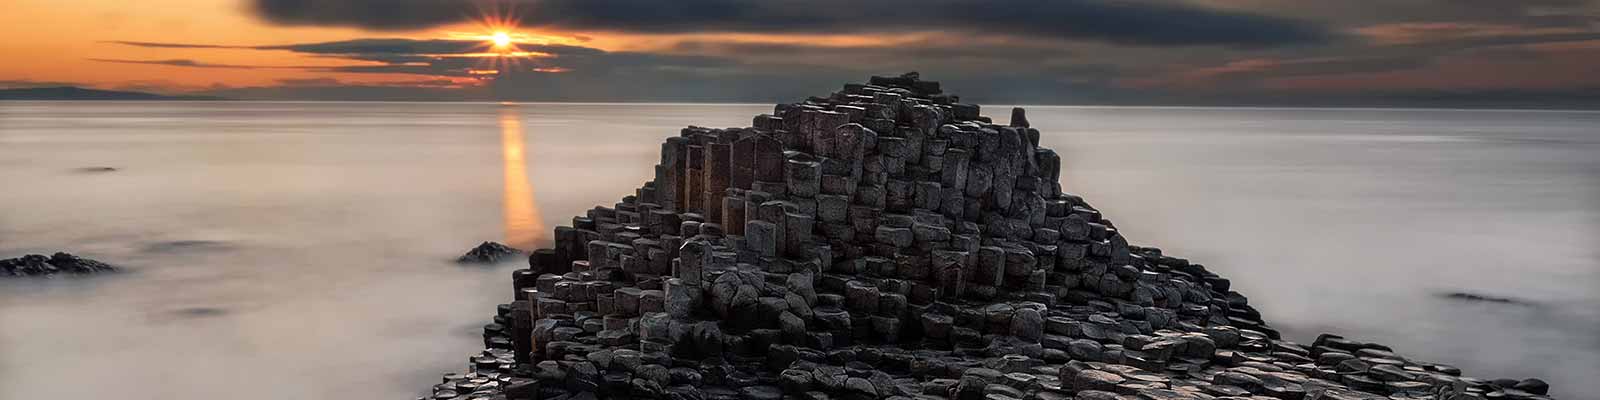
(452, 58)
(175, 45)
(1510, 40)
(183, 63)
(1258, 69)
(348, 92)
(1356, 13)
(378, 46)
(309, 82)
(1128, 22)
(25, 84)
(1007, 51)
(943, 49)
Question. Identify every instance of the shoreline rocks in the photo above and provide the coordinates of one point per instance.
(38, 265)
(890, 241)
(490, 253)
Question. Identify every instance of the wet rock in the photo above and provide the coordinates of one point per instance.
(1484, 298)
(1533, 385)
(56, 264)
(490, 253)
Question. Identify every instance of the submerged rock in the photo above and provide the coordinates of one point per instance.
(56, 264)
(490, 253)
(1466, 296)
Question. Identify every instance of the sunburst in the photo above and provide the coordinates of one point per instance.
(498, 23)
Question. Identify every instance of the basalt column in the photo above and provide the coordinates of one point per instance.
(890, 241)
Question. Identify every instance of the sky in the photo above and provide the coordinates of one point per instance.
(1542, 53)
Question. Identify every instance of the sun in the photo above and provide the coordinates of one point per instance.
(500, 39)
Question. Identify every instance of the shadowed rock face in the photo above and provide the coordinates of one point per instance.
(56, 264)
(889, 241)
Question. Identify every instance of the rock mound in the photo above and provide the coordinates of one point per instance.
(889, 241)
(490, 253)
(56, 264)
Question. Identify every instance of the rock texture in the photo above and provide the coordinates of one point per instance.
(56, 264)
(888, 241)
(489, 253)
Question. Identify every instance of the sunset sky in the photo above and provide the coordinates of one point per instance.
(1064, 51)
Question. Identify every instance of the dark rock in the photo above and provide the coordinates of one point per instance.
(56, 264)
(1096, 380)
(1475, 297)
(1019, 117)
(1533, 385)
(888, 241)
(490, 253)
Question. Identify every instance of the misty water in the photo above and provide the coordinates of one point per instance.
(304, 250)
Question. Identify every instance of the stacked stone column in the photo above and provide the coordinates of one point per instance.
(889, 241)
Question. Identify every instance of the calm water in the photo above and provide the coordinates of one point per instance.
(302, 250)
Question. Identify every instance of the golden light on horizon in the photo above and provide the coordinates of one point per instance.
(501, 39)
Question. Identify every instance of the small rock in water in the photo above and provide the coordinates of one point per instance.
(186, 246)
(200, 312)
(59, 263)
(489, 253)
(1485, 298)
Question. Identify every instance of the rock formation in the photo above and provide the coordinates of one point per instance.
(490, 253)
(56, 264)
(888, 241)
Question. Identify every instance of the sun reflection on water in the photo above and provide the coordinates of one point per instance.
(524, 227)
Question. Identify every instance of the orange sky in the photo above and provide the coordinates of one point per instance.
(58, 41)
(53, 41)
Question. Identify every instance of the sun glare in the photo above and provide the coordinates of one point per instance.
(500, 39)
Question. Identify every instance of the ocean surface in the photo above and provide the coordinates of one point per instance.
(281, 250)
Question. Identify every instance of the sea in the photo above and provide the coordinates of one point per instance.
(305, 250)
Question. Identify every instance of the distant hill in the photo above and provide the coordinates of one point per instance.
(77, 93)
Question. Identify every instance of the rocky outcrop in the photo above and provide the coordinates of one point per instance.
(56, 264)
(490, 253)
(889, 241)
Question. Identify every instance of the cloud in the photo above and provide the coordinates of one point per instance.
(1147, 23)
(1462, 34)
(943, 48)
(447, 58)
(1022, 51)
(187, 63)
(174, 45)
(1355, 13)
(26, 84)
(1237, 72)
(309, 82)
(347, 91)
